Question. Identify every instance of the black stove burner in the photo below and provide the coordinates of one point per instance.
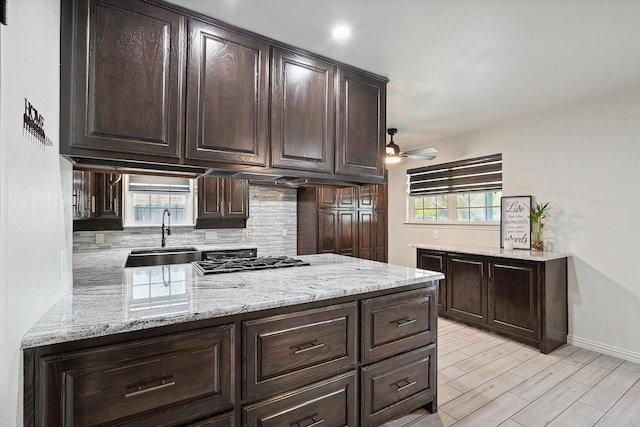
(246, 264)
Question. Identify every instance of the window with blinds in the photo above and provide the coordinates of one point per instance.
(147, 196)
(463, 191)
(465, 176)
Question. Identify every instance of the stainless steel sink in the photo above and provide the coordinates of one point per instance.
(162, 256)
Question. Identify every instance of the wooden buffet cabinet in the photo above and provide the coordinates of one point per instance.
(523, 299)
(350, 361)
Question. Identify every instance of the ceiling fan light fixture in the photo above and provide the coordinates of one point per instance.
(392, 148)
(392, 159)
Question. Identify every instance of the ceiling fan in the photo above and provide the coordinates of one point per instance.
(394, 154)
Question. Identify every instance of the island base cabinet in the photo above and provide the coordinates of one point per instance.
(398, 385)
(330, 403)
(176, 378)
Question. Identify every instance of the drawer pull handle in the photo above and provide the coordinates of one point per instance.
(313, 420)
(306, 347)
(404, 384)
(163, 384)
(403, 322)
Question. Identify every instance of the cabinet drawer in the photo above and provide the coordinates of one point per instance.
(396, 323)
(331, 403)
(125, 381)
(298, 348)
(397, 385)
(224, 420)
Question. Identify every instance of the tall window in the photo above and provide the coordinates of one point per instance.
(147, 196)
(463, 191)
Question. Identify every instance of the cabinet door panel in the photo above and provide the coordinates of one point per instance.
(126, 90)
(210, 196)
(302, 112)
(237, 198)
(467, 290)
(380, 235)
(328, 231)
(361, 122)
(227, 99)
(435, 261)
(366, 234)
(347, 223)
(513, 302)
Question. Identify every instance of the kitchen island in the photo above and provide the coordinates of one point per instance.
(346, 340)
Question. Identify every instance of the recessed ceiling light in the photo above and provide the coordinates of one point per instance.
(341, 32)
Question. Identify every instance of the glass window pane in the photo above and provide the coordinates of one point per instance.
(430, 215)
(418, 203)
(462, 201)
(462, 214)
(478, 214)
(477, 199)
(442, 214)
(441, 202)
(494, 214)
(419, 215)
(430, 202)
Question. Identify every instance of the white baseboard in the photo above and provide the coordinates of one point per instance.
(604, 348)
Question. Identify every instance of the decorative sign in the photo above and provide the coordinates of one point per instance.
(33, 123)
(515, 225)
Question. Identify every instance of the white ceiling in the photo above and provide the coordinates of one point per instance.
(455, 66)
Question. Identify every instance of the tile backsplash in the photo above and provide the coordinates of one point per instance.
(272, 210)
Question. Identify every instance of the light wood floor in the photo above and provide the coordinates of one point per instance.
(485, 380)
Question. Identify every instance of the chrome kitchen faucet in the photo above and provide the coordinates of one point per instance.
(167, 228)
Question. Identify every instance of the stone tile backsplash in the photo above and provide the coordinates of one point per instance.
(271, 210)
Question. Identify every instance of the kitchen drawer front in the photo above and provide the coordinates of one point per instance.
(298, 348)
(397, 385)
(224, 420)
(331, 403)
(123, 382)
(396, 323)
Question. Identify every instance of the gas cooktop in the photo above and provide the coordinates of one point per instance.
(246, 264)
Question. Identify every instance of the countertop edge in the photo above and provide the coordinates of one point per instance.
(521, 254)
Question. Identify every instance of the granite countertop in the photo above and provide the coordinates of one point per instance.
(494, 252)
(107, 299)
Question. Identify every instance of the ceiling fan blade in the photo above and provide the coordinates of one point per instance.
(421, 151)
(418, 157)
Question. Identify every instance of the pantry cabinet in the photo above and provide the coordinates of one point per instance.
(349, 221)
(149, 86)
(523, 299)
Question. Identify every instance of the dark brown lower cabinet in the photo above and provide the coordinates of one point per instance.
(523, 299)
(435, 261)
(331, 403)
(359, 360)
(467, 288)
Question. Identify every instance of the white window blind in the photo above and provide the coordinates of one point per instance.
(464, 176)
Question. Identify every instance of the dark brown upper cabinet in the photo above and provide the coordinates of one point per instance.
(222, 203)
(126, 70)
(97, 201)
(227, 96)
(361, 122)
(302, 112)
(150, 86)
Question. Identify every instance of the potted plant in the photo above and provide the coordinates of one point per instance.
(537, 214)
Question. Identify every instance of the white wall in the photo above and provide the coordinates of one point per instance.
(35, 189)
(585, 160)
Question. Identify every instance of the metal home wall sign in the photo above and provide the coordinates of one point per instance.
(515, 225)
(33, 123)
